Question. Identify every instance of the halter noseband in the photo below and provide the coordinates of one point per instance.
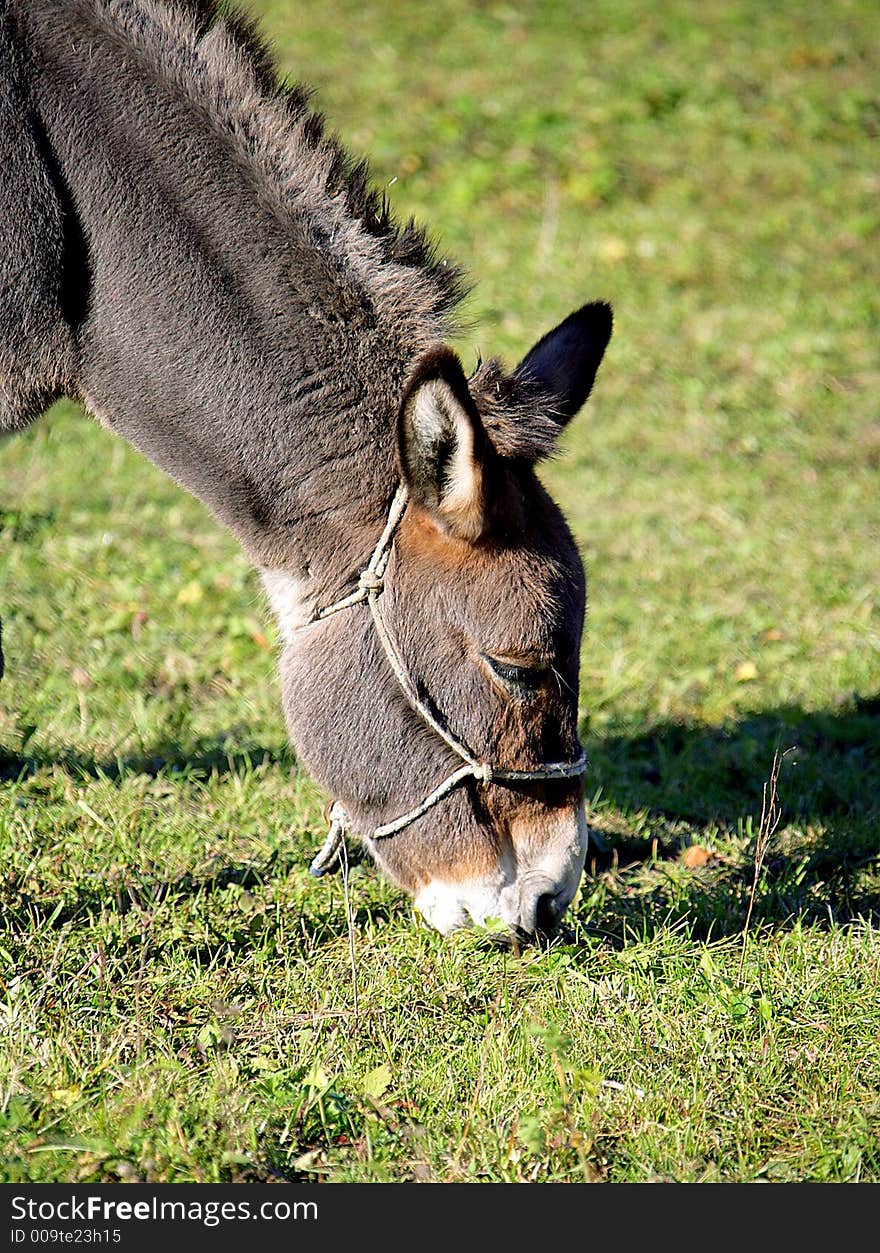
(370, 586)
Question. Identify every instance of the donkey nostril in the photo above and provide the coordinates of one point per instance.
(546, 912)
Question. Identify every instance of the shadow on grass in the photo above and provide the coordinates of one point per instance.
(666, 788)
(200, 759)
(147, 894)
(239, 933)
(688, 773)
(204, 758)
(701, 774)
(679, 784)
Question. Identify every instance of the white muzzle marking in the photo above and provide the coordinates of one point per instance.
(549, 872)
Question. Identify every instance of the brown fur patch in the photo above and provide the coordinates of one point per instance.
(440, 554)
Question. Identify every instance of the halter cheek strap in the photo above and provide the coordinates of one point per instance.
(371, 584)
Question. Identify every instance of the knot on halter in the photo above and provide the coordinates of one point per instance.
(370, 581)
(484, 772)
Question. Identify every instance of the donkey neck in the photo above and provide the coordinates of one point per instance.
(231, 325)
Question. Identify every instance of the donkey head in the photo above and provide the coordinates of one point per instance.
(484, 600)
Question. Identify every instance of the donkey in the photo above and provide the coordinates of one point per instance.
(188, 253)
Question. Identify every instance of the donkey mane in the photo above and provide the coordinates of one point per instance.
(214, 54)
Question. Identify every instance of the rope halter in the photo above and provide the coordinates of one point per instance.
(371, 584)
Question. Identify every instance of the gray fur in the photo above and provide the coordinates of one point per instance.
(187, 253)
(36, 351)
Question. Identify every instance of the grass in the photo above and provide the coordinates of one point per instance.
(175, 990)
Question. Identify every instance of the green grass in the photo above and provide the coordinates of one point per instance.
(176, 999)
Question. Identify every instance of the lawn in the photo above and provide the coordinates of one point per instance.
(177, 996)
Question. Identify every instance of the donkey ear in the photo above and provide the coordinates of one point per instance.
(565, 361)
(442, 444)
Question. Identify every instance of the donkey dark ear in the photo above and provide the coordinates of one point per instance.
(442, 444)
(565, 361)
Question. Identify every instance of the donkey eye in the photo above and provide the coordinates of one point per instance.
(528, 677)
